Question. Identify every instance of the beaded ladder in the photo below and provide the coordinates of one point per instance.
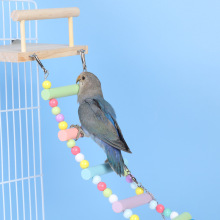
(79, 157)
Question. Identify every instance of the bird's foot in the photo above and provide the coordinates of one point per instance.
(106, 161)
(80, 131)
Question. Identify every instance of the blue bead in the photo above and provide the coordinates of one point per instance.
(85, 174)
(167, 212)
(127, 213)
(153, 204)
(134, 185)
(96, 179)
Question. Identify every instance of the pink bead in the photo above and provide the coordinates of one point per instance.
(101, 186)
(60, 117)
(53, 103)
(75, 150)
(160, 208)
(129, 179)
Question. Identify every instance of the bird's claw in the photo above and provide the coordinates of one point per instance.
(80, 131)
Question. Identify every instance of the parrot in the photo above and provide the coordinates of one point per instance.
(98, 121)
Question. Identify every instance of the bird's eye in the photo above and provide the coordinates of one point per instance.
(83, 77)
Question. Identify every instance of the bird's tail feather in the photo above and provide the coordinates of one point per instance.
(115, 159)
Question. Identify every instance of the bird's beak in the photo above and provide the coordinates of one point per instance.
(78, 79)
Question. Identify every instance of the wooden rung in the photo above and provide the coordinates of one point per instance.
(131, 202)
(40, 14)
(184, 216)
(65, 135)
(70, 24)
(23, 41)
(99, 170)
(12, 52)
(59, 92)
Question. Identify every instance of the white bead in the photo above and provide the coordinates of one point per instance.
(96, 179)
(127, 213)
(153, 204)
(173, 215)
(113, 198)
(79, 157)
(134, 185)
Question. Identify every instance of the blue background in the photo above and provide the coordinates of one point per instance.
(158, 62)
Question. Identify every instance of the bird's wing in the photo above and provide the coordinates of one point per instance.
(98, 122)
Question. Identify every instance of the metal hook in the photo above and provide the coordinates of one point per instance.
(82, 54)
(46, 73)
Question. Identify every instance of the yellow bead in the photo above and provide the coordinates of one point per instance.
(84, 164)
(63, 125)
(46, 84)
(139, 191)
(134, 217)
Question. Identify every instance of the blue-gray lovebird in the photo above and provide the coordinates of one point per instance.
(98, 121)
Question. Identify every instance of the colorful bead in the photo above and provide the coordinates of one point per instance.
(60, 117)
(56, 110)
(160, 208)
(134, 217)
(129, 179)
(63, 125)
(53, 103)
(75, 150)
(134, 185)
(167, 212)
(79, 157)
(153, 204)
(127, 213)
(71, 143)
(101, 186)
(113, 198)
(46, 84)
(96, 179)
(173, 215)
(84, 164)
(126, 172)
(139, 191)
(107, 192)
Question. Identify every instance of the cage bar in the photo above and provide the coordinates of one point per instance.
(21, 177)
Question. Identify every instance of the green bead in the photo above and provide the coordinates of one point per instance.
(71, 143)
(107, 192)
(55, 110)
(167, 212)
(125, 173)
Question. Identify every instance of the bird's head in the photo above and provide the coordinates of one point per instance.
(89, 86)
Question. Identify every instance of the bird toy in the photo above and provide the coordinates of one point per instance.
(98, 121)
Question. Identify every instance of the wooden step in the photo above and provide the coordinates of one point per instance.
(184, 216)
(60, 92)
(12, 52)
(98, 170)
(131, 202)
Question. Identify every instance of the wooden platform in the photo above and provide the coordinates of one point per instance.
(12, 52)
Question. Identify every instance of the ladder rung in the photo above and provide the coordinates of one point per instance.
(99, 170)
(59, 92)
(131, 202)
(65, 135)
(184, 216)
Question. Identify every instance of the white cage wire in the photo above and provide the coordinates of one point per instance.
(21, 180)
